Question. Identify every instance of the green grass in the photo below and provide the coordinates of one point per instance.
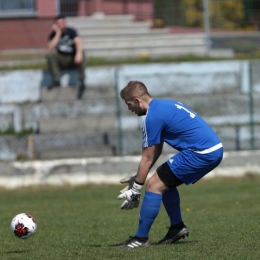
(223, 216)
(11, 131)
(96, 62)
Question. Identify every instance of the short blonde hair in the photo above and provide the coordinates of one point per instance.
(134, 89)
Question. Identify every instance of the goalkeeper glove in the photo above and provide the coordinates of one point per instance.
(132, 197)
(130, 181)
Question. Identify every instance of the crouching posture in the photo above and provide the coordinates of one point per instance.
(199, 152)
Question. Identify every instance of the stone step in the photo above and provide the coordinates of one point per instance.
(122, 33)
(230, 109)
(6, 121)
(64, 140)
(107, 28)
(144, 42)
(30, 115)
(76, 152)
(212, 105)
(133, 39)
(55, 146)
(68, 145)
(224, 53)
(70, 93)
(72, 145)
(90, 123)
(22, 62)
(67, 109)
(232, 137)
(12, 146)
(209, 105)
(99, 20)
(217, 104)
(153, 52)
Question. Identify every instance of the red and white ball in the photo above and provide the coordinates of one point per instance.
(23, 225)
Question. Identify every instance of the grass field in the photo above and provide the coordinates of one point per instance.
(223, 216)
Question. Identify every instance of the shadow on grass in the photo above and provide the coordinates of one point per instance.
(177, 243)
(152, 244)
(17, 252)
(95, 246)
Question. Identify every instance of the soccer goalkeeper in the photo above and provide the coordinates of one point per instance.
(200, 151)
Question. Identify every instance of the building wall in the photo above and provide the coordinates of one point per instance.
(24, 33)
(46, 8)
(142, 9)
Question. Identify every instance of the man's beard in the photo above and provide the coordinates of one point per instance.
(141, 113)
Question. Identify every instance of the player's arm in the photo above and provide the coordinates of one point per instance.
(79, 50)
(51, 44)
(130, 180)
(149, 157)
(158, 152)
(132, 195)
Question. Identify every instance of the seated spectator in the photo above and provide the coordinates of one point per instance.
(65, 51)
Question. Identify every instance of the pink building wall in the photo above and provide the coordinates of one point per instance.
(22, 33)
(46, 8)
(142, 10)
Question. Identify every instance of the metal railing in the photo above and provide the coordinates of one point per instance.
(224, 99)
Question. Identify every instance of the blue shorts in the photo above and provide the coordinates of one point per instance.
(189, 166)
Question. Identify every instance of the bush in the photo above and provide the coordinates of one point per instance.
(223, 14)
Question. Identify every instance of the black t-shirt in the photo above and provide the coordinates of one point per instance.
(66, 44)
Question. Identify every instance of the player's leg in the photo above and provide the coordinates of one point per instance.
(156, 187)
(190, 167)
(188, 171)
(150, 205)
(149, 211)
(54, 68)
(171, 202)
(65, 61)
(177, 230)
(81, 70)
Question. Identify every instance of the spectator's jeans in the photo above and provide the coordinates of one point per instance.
(57, 61)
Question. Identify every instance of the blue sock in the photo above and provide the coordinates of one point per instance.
(171, 202)
(149, 211)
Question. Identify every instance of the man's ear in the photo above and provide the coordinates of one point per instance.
(136, 101)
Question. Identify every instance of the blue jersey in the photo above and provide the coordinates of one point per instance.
(172, 122)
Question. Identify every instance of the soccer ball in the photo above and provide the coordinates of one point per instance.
(23, 225)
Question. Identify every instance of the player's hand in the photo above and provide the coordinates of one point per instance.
(78, 57)
(132, 197)
(56, 28)
(130, 181)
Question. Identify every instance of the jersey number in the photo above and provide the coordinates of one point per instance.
(192, 115)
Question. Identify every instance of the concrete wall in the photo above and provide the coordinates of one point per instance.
(216, 90)
(20, 86)
(168, 80)
(108, 169)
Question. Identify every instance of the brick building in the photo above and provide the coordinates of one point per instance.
(25, 23)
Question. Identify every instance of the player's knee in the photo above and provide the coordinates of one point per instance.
(154, 184)
(50, 55)
(149, 184)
